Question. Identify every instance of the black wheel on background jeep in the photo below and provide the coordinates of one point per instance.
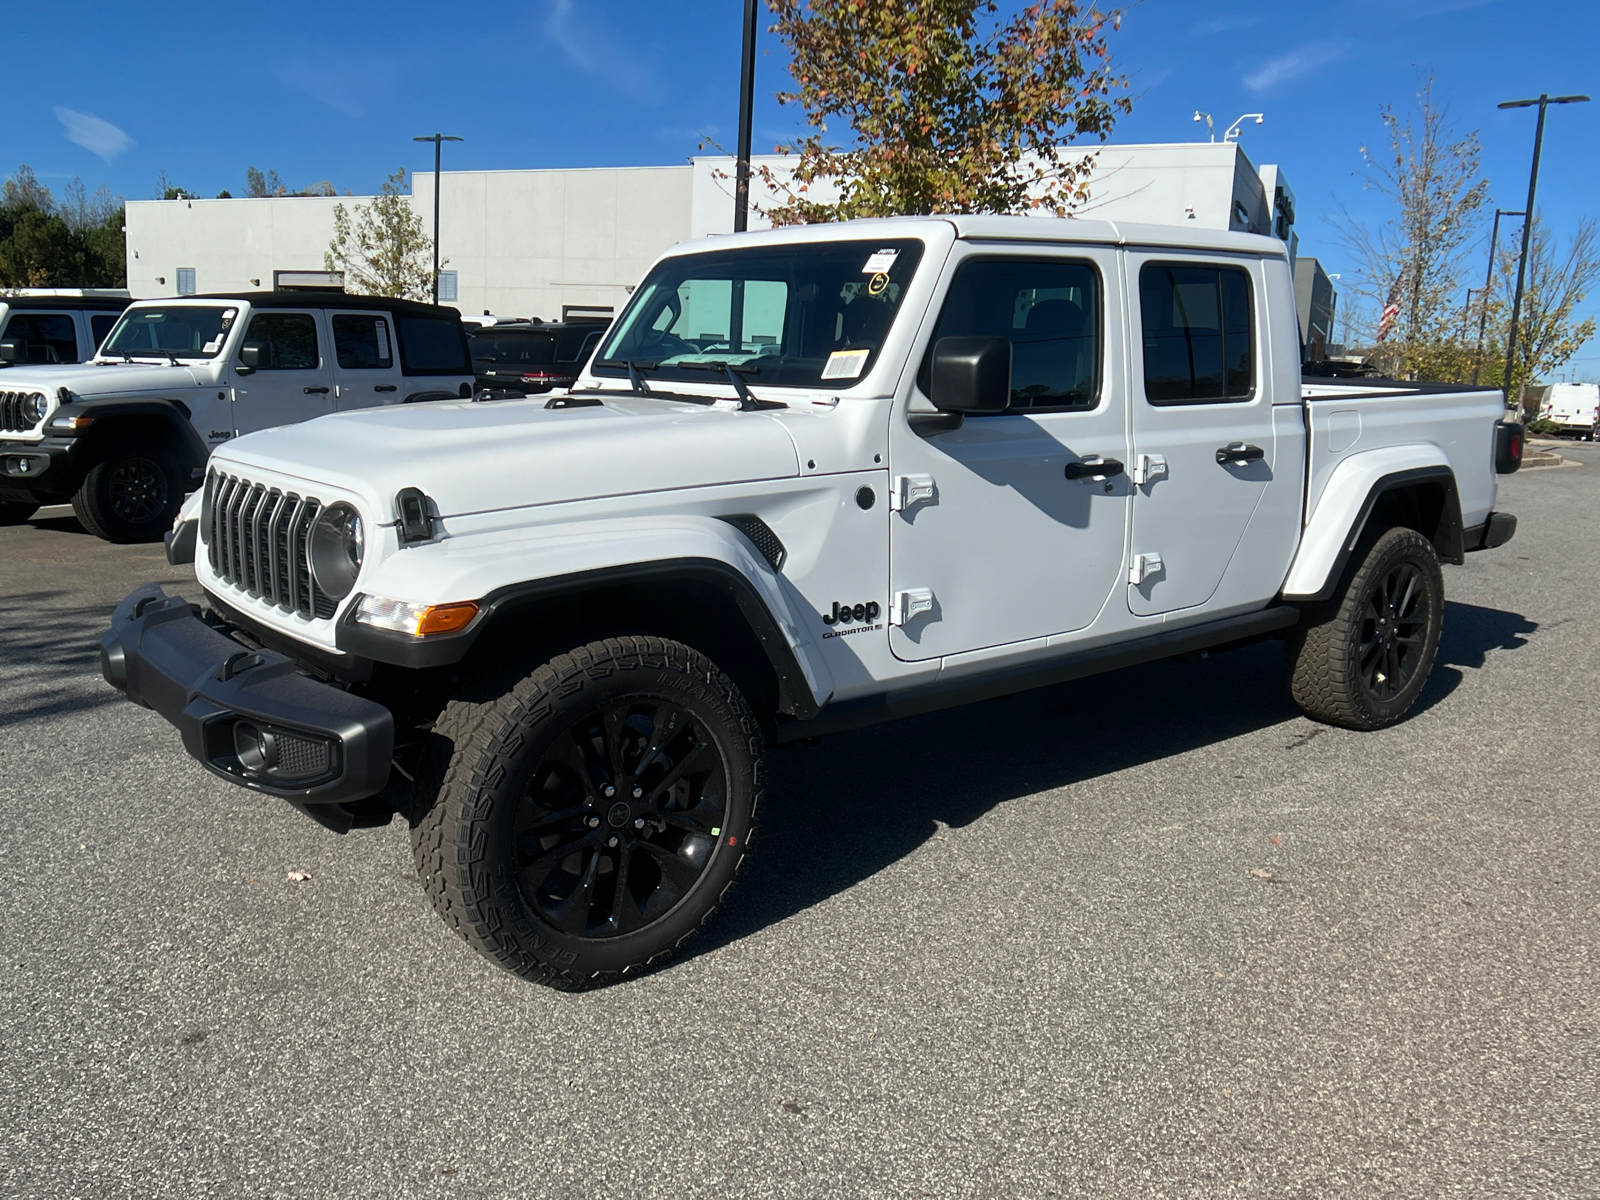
(1361, 658)
(15, 512)
(132, 493)
(586, 820)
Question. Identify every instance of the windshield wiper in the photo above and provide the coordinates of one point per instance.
(747, 399)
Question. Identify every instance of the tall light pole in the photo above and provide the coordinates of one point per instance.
(747, 86)
(1483, 296)
(1544, 101)
(437, 139)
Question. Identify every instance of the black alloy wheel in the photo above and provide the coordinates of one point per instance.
(581, 821)
(138, 490)
(1361, 658)
(1394, 630)
(621, 818)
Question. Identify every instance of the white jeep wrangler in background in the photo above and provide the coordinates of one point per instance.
(125, 435)
(812, 479)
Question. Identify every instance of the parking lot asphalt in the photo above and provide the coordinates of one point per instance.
(1147, 934)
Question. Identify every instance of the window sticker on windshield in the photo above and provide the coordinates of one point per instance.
(845, 364)
(213, 345)
(382, 327)
(880, 261)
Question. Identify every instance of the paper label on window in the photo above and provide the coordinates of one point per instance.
(880, 261)
(382, 327)
(213, 345)
(845, 364)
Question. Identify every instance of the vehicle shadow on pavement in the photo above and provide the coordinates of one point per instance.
(836, 815)
(51, 657)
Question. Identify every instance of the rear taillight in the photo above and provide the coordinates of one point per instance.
(1508, 438)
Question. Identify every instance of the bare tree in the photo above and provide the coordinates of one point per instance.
(1548, 335)
(1409, 273)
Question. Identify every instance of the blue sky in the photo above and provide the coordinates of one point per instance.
(336, 90)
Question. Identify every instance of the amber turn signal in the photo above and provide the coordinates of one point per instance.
(447, 618)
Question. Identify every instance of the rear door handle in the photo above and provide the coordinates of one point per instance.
(318, 391)
(387, 387)
(1099, 468)
(1238, 452)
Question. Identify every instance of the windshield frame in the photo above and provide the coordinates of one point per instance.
(905, 254)
(228, 316)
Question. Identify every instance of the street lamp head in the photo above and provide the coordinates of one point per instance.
(438, 137)
(1544, 100)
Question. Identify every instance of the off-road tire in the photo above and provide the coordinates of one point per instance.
(132, 493)
(15, 512)
(1337, 650)
(479, 776)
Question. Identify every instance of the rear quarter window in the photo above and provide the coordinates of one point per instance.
(431, 346)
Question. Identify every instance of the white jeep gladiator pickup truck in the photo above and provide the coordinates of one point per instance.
(125, 435)
(812, 479)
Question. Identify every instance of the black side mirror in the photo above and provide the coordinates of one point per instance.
(12, 350)
(249, 357)
(971, 375)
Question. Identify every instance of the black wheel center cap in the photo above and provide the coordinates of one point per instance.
(617, 815)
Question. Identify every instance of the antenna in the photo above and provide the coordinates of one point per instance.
(1234, 130)
(1206, 117)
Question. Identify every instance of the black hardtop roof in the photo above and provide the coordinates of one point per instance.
(311, 298)
(99, 303)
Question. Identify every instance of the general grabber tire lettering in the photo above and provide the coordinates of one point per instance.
(585, 820)
(1361, 658)
(15, 512)
(132, 493)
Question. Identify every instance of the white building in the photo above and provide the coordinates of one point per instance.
(528, 243)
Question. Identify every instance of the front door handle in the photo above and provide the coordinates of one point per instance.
(1099, 468)
(1238, 452)
(318, 391)
(387, 387)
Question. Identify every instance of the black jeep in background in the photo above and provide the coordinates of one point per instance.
(534, 356)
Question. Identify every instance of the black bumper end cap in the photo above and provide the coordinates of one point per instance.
(181, 542)
(1501, 528)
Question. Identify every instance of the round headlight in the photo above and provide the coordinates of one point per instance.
(34, 407)
(338, 543)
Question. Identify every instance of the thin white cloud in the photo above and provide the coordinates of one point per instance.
(95, 135)
(595, 53)
(1289, 66)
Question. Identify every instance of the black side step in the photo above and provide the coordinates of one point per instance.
(890, 706)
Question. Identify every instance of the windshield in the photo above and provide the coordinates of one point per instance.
(186, 331)
(796, 315)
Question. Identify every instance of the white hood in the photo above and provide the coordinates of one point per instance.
(88, 380)
(476, 457)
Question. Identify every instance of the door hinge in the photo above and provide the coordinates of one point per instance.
(912, 602)
(1144, 567)
(911, 490)
(1147, 467)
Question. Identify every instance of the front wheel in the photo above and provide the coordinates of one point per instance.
(587, 821)
(1361, 658)
(132, 494)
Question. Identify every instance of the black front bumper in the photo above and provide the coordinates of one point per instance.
(43, 472)
(249, 715)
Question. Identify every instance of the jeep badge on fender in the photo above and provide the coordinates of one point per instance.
(843, 614)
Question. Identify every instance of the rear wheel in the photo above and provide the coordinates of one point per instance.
(1361, 658)
(15, 512)
(132, 494)
(587, 821)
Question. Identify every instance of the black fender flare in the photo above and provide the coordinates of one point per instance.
(172, 415)
(794, 693)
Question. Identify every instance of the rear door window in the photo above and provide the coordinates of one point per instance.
(362, 341)
(45, 337)
(1199, 345)
(432, 346)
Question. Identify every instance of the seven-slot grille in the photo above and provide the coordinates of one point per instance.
(12, 418)
(259, 539)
